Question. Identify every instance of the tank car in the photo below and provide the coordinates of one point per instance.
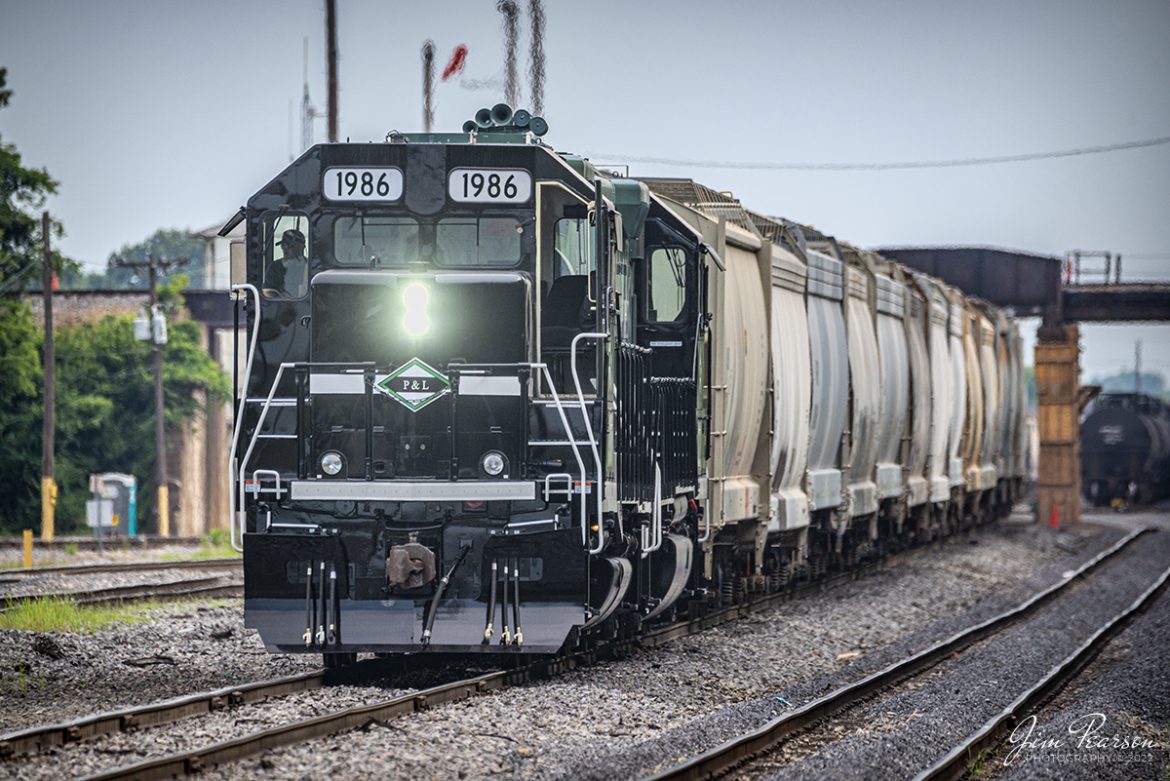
(495, 399)
(1125, 450)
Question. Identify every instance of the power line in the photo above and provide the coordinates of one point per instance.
(905, 165)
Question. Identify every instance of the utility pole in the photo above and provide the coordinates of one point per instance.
(48, 483)
(331, 63)
(157, 336)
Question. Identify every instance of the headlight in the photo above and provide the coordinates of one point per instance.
(493, 463)
(331, 463)
(415, 319)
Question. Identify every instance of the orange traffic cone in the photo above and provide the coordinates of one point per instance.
(1054, 519)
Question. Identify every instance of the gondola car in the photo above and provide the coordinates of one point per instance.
(506, 401)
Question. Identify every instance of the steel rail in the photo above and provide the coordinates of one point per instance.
(232, 562)
(211, 586)
(958, 762)
(113, 543)
(732, 753)
(32, 739)
(193, 761)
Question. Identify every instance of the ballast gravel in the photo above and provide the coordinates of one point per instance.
(612, 720)
(906, 729)
(187, 647)
(621, 719)
(83, 583)
(1113, 722)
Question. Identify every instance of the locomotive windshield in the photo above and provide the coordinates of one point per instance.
(383, 241)
(373, 241)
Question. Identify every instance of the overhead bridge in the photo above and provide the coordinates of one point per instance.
(1056, 290)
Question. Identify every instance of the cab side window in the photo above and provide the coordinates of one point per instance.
(286, 263)
(573, 253)
(666, 283)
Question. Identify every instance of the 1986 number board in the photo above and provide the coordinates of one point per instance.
(489, 185)
(348, 183)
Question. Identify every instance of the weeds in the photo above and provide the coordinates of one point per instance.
(216, 545)
(56, 614)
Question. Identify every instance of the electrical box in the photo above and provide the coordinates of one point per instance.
(113, 510)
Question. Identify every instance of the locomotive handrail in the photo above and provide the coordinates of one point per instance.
(655, 533)
(576, 454)
(237, 426)
(252, 444)
(601, 337)
(235, 470)
(556, 400)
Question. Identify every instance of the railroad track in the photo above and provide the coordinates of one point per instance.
(740, 753)
(197, 759)
(203, 587)
(230, 562)
(112, 543)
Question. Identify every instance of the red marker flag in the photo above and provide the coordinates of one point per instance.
(455, 65)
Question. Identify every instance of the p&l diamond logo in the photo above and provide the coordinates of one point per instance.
(414, 384)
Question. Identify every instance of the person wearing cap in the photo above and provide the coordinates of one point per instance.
(288, 275)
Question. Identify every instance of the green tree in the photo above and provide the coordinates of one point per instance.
(22, 195)
(170, 243)
(20, 416)
(104, 403)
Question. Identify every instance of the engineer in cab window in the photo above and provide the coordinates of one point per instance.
(288, 275)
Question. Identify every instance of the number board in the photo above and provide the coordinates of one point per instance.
(362, 184)
(489, 185)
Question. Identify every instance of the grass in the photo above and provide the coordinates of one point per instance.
(56, 614)
(216, 545)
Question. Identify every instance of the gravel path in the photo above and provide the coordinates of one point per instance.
(906, 729)
(619, 719)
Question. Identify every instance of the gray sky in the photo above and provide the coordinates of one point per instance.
(165, 113)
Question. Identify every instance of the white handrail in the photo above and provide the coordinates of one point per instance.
(589, 431)
(255, 436)
(655, 534)
(236, 426)
(572, 443)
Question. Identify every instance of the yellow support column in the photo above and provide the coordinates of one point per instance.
(48, 508)
(164, 511)
(1058, 396)
(28, 542)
